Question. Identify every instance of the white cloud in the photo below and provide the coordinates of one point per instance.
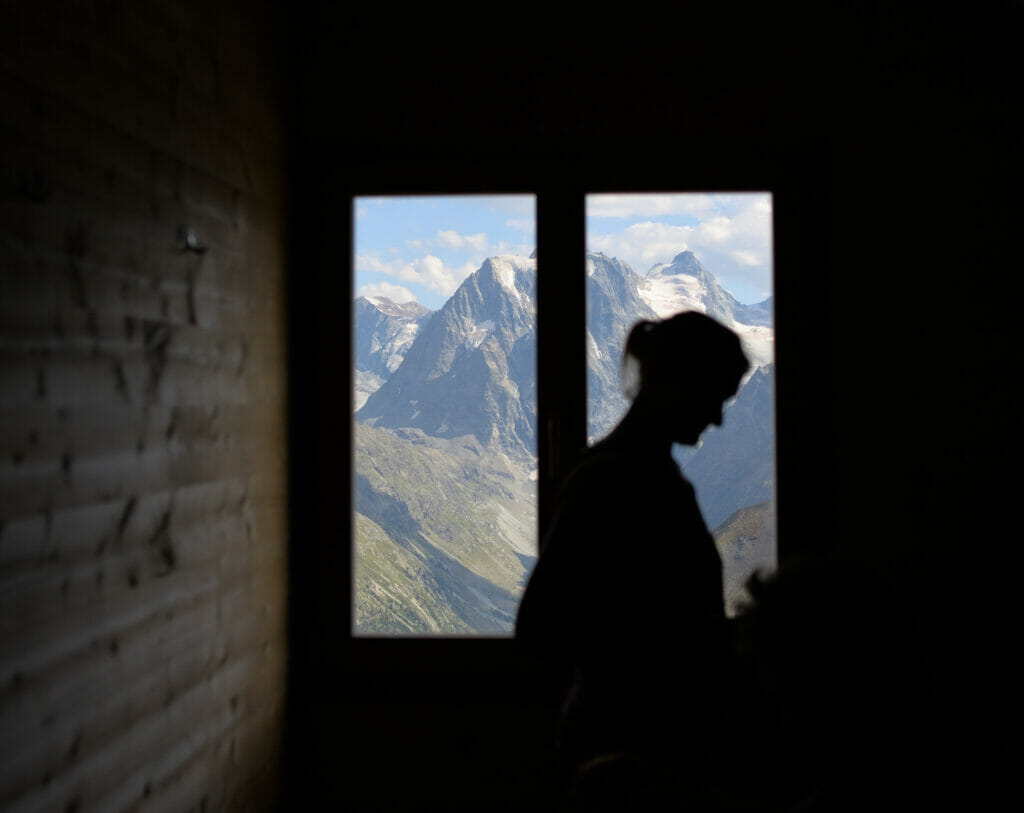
(368, 262)
(714, 230)
(525, 226)
(747, 257)
(643, 245)
(523, 206)
(396, 293)
(459, 274)
(733, 240)
(645, 205)
(452, 239)
(429, 271)
(513, 249)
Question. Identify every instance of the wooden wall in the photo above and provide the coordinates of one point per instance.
(142, 408)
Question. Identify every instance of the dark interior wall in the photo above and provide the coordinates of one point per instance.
(142, 544)
(896, 123)
(142, 407)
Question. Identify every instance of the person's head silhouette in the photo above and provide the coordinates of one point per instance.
(680, 371)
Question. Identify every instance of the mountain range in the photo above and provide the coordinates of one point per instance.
(446, 436)
(384, 332)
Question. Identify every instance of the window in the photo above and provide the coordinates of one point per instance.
(454, 449)
(445, 408)
(650, 256)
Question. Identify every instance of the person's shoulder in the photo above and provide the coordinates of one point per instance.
(598, 464)
(597, 459)
(595, 479)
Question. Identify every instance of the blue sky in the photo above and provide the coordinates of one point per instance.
(423, 248)
(731, 234)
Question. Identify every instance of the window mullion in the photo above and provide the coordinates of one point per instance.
(561, 338)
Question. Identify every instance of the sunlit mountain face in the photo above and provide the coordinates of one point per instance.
(384, 332)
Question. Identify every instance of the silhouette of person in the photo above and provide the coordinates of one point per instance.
(625, 604)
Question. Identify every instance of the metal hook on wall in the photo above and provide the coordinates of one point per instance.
(188, 241)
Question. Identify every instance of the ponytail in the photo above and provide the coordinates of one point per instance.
(688, 344)
(638, 349)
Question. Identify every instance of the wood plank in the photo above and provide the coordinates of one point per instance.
(75, 706)
(44, 435)
(119, 555)
(107, 609)
(82, 712)
(163, 283)
(169, 733)
(105, 368)
(50, 486)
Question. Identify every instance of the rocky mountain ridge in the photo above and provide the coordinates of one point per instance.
(465, 387)
(472, 367)
(384, 332)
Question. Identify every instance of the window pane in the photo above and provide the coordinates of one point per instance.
(445, 413)
(650, 256)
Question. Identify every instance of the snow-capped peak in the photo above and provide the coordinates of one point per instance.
(505, 267)
(403, 310)
(686, 262)
(669, 293)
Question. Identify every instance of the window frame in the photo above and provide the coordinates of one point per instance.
(561, 186)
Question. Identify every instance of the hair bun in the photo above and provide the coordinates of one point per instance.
(641, 339)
